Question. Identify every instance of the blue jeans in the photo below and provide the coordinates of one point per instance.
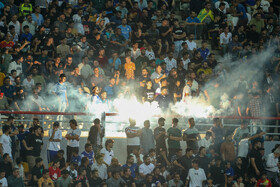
(51, 155)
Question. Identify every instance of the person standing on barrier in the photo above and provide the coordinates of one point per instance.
(33, 144)
(133, 134)
(191, 136)
(95, 136)
(60, 91)
(160, 136)
(55, 135)
(174, 137)
(73, 139)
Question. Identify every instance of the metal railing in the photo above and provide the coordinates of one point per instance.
(115, 124)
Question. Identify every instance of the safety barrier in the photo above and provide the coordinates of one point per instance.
(115, 124)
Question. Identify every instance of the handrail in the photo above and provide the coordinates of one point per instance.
(116, 114)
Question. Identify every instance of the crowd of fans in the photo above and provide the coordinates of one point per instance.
(73, 55)
(154, 157)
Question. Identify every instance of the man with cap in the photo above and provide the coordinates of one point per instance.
(160, 135)
(55, 135)
(108, 152)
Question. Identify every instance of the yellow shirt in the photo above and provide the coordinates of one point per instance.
(42, 181)
(2, 76)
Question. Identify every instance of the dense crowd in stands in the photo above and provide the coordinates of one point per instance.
(57, 54)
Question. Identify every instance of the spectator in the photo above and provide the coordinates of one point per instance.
(89, 153)
(73, 138)
(256, 166)
(100, 166)
(108, 152)
(33, 144)
(54, 171)
(133, 134)
(37, 171)
(61, 92)
(227, 148)
(55, 135)
(174, 138)
(64, 180)
(146, 168)
(115, 166)
(206, 141)
(15, 180)
(131, 165)
(3, 179)
(272, 165)
(7, 165)
(95, 179)
(115, 180)
(129, 180)
(5, 141)
(191, 136)
(147, 138)
(196, 175)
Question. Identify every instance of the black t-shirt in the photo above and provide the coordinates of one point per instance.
(178, 31)
(203, 163)
(239, 172)
(149, 94)
(128, 180)
(38, 172)
(258, 159)
(36, 142)
(159, 179)
(95, 182)
(186, 162)
(218, 175)
(8, 168)
(160, 142)
(167, 37)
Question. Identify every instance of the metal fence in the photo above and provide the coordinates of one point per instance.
(115, 124)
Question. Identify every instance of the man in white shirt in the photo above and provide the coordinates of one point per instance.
(217, 5)
(196, 175)
(3, 180)
(16, 65)
(15, 23)
(6, 141)
(108, 152)
(187, 91)
(73, 138)
(170, 61)
(191, 44)
(30, 23)
(133, 134)
(100, 167)
(206, 141)
(146, 168)
(55, 135)
(272, 165)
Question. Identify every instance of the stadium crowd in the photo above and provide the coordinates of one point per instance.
(73, 55)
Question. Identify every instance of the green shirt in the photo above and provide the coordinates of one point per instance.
(61, 182)
(174, 144)
(15, 182)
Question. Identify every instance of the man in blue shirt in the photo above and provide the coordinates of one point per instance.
(8, 90)
(194, 25)
(125, 29)
(61, 92)
(204, 51)
(241, 14)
